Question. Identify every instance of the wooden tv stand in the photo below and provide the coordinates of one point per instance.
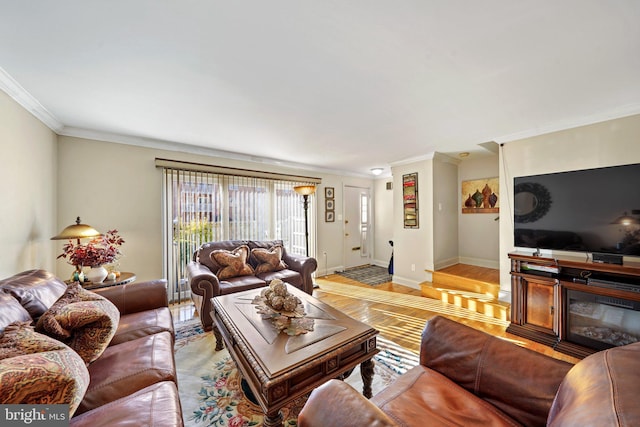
(541, 286)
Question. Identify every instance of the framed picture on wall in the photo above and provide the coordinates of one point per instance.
(328, 192)
(329, 204)
(329, 216)
(410, 200)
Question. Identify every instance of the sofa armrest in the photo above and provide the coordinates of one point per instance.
(303, 265)
(206, 285)
(138, 296)
(518, 381)
(335, 403)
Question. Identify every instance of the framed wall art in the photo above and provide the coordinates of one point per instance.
(328, 192)
(410, 200)
(329, 216)
(480, 196)
(329, 205)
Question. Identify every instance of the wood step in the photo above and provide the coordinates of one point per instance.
(471, 287)
(479, 303)
(454, 281)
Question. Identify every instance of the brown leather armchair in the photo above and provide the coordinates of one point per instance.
(467, 377)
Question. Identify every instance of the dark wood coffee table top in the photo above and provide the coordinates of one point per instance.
(279, 367)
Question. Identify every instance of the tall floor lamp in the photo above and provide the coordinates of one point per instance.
(305, 191)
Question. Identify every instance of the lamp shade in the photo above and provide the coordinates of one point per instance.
(626, 219)
(305, 190)
(77, 231)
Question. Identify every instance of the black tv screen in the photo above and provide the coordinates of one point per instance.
(591, 210)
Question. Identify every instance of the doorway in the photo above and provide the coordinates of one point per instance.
(357, 226)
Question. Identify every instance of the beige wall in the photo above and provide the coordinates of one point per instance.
(445, 208)
(609, 143)
(479, 234)
(383, 217)
(413, 248)
(28, 189)
(118, 186)
(27, 186)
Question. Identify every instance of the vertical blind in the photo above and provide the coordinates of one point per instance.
(201, 207)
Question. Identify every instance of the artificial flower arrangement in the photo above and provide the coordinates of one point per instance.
(104, 249)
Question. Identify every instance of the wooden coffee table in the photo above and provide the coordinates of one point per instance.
(279, 368)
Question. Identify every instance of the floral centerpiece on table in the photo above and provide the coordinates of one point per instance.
(285, 309)
(102, 250)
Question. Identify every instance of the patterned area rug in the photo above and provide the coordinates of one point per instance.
(367, 274)
(211, 387)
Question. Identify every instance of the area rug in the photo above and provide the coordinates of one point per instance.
(211, 387)
(368, 274)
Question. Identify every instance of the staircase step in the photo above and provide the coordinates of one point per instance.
(452, 281)
(474, 301)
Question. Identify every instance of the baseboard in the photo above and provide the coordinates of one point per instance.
(479, 262)
(329, 270)
(446, 263)
(406, 282)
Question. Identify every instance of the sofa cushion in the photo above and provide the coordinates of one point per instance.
(267, 260)
(142, 323)
(126, 368)
(241, 283)
(600, 390)
(425, 395)
(11, 311)
(292, 277)
(232, 263)
(83, 320)
(157, 405)
(37, 369)
(36, 290)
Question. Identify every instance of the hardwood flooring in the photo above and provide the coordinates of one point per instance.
(398, 312)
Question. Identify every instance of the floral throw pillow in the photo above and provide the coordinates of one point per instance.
(37, 369)
(83, 320)
(232, 263)
(269, 259)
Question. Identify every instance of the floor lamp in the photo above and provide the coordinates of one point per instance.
(305, 191)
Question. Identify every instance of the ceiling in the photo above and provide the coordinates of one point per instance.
(331, 85)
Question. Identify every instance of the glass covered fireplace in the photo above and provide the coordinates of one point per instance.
(601, 322)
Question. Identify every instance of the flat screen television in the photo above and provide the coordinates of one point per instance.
(591, 210)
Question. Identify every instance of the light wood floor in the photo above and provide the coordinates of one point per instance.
(398, 312)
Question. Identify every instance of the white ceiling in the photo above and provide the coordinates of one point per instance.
(342, 85)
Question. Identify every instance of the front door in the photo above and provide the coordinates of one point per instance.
(357, 230)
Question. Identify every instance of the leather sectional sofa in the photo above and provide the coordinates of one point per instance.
(130, 379)
(204, 271)
(467, 377)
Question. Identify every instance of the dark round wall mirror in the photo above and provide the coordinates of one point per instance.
(531, 202)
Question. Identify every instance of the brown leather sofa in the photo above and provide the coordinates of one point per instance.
(467, 377)
(205, 284)
(133, 381)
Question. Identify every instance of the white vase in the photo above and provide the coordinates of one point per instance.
(97, 274)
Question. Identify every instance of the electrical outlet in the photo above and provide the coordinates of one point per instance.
(413, 267)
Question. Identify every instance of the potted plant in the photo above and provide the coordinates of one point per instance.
(104, 249)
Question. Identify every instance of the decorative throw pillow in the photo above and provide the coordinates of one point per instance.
(37, 369)
(232, 263)
(83, 320)
(269, 259)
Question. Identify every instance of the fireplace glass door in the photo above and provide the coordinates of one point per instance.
(601, 322)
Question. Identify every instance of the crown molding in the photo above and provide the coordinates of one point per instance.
(12, 88)
(603, 116)
(159, 144)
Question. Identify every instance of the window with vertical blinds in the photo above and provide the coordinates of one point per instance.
(203, 207)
